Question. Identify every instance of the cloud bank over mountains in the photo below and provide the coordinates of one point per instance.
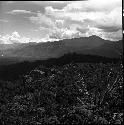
(70, 19)
(13, 38)
(16, 38)
(84, 18)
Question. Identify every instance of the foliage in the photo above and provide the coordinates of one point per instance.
(75, 93)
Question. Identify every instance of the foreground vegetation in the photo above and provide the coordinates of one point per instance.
(75, 93)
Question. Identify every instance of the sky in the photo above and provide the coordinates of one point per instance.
(42, 21)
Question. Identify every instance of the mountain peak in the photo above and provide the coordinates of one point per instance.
(95, 37)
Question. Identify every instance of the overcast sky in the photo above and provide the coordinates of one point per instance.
(24, 21)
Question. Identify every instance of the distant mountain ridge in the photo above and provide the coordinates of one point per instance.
(14, 46)
(92, 45)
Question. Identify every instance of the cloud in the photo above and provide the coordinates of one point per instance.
(110, 22)
(101, 17)
(83, 30)
(9, 2)
(63, 34)
(55, 28)
(113, 36)
(52, 3)
(14, 12)
(82, 19)
(13, 38)
(93, 6)
(16, 38)
(15, 35)
(3, 20)
(66, 19)
(42, 20)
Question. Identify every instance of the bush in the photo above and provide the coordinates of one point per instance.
(71, 94)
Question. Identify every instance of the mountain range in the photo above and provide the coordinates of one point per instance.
(92, 45)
